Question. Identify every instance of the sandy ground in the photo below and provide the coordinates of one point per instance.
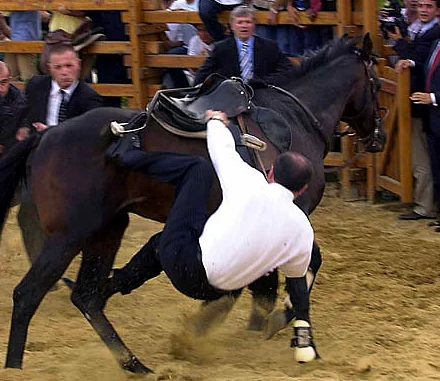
(375, 308)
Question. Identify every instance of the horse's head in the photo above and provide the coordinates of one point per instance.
(362, 111)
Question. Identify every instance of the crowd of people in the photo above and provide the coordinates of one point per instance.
(293, 39)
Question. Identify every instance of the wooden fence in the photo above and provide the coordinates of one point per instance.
(145, 60)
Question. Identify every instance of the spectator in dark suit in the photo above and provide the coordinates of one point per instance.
(431, 97)
(45, 93)
(52, 99)
(413, 52)
(12, 110)
(267, 62)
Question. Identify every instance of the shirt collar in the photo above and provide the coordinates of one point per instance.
(419, 27)
(250, 42)
(282, 191)
(55, 89)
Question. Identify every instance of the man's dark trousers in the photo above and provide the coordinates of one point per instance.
(177, 250)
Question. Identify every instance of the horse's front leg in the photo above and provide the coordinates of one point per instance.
(89, 294)
(44, 273)
(280, 319)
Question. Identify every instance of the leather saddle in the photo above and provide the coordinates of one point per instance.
(182, 112)
(186, 107)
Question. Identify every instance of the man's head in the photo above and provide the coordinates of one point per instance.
(5, 78)
(428, 10)
(242, 22)
(204, 34)
(411, 4)
(64, 65)
(291, 170)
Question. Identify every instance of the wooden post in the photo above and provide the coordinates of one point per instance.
(137, 54)
(343, 8)
(404, 128)
(370, 20)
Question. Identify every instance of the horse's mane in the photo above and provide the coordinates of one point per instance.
(312, 60)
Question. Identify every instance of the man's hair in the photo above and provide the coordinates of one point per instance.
(61, 49)
(4, 67)
(241, 11)
(292, 170)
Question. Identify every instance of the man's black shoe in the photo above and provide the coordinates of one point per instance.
(126, 143)
(413, 216)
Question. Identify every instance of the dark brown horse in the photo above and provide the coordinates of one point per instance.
(83, 200)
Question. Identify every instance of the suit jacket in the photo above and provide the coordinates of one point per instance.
(269, 61)
(83, 99)
(12, 112)
(434, 111)
(418, 51)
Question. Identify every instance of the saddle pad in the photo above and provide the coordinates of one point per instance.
(274, 126)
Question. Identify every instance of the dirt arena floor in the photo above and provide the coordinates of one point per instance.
(375, 308)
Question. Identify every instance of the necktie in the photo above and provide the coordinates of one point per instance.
(62, 112)
(434, 63)
(245, 62)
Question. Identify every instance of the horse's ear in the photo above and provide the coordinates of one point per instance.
(368, 44)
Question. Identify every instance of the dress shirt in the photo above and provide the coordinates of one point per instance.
(53, 105)
(257, 227)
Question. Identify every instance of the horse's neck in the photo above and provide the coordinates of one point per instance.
(325, 96)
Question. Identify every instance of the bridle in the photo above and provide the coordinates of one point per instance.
(373, 136)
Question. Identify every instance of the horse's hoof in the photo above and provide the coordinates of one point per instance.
(256, 321)
(276, 321)
(135, 366)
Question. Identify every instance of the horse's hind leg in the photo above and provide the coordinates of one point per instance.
(47, 269)
(88, 292)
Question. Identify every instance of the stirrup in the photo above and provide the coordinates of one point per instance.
(253, 142)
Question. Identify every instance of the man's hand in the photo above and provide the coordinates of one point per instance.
(217, 114)
(421, 98)
(22, 133)
(403, 64)
(311, 14)
(272, 18)
(397, 35)
(293, 15)
(39, 126)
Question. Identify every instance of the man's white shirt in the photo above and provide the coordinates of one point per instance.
(257, 227)
(53, 105)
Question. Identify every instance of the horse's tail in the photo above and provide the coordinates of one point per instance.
(12, 170)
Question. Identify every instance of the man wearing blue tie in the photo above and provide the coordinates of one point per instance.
(245, 55)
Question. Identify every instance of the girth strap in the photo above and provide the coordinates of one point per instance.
(248, 126)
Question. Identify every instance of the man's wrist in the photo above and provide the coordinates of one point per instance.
(216, 117)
